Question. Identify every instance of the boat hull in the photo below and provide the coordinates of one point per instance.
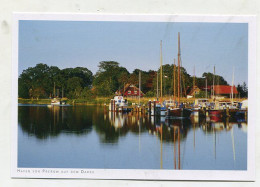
(179, 113)
(216, 115)
(56, 103)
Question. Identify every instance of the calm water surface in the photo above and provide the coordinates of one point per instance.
(89, 137)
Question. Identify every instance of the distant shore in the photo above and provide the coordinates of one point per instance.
(106, 100)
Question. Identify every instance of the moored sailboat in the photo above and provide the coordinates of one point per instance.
(158, 108)
(178, 111)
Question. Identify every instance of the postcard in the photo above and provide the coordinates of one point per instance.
(149, 97)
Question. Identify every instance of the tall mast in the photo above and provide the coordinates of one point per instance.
(213, 83)
(206, 88)
(139, 86)
(174, 87)
(179, 74)
(232, 91)
(161, 70)
(157, 93)
(194, 81)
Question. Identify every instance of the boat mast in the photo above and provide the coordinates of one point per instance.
(194, 82)
(206, 88)
(174, 87)
(179, 56)
(232, 91)
(139, 86)
(213, 83)
(161, 70)
(157, 92)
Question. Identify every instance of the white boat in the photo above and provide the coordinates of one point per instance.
(55, 101)
(200, 103)
(118, 103)
(169, 103)
(244, 105)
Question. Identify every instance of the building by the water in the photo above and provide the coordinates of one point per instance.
(130, 90)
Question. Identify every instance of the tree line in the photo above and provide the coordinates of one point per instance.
(43, 81)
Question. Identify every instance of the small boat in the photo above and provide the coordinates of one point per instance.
(58, 102)
(157, 109)
(118, 104)
(179, 112)
(243, 107)
(55, 101)
(199, 107)
(169, 103)
(216, 115)
(216, 111)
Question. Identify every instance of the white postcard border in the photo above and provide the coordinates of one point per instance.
(223, 175)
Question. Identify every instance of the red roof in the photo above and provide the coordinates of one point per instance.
(224, 89)
(129, 90)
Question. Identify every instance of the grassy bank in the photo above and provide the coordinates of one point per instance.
(95, 101)
(34, 101)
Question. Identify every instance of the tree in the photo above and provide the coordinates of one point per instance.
(74, 86)
(104, 89)
(87, 93)
(44, 77)
(111, 75)
(38, 93)
(23, 87)
(218, 80)
(242, 90)
(31, 79)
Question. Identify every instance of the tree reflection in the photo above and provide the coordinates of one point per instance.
(43, 122)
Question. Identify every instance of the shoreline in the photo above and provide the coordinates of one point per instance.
(106, 100)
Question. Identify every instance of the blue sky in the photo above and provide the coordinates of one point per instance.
(136, 45)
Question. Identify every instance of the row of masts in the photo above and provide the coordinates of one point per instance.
(179, 77)
(174, 73)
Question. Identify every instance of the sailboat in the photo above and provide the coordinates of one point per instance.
(215, 113)
(158, 108)
(178, 111)
(233, 109)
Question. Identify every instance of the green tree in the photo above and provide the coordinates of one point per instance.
(218, 80)
(104, 89)
(242, 90)
(38, 93)
(110, 75)
(74, 86)
(44, 78)
(87, 93)
(31, 79)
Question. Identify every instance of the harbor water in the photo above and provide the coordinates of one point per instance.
(92, 137)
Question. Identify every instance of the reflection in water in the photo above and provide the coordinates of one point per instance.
(161, 143)
(51, 121)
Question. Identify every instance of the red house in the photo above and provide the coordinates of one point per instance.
(130, 90)
(224, 90)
